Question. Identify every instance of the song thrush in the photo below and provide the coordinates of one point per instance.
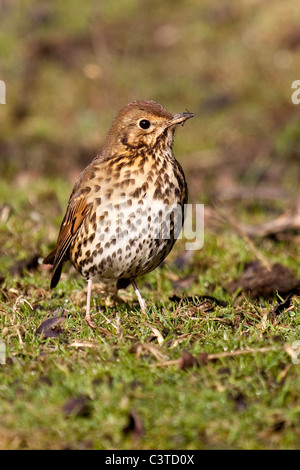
(126, 208)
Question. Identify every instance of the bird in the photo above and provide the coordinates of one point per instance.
(126, 209)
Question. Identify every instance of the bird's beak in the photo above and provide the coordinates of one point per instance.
(180, 118)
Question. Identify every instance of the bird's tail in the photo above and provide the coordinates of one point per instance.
(57, 271)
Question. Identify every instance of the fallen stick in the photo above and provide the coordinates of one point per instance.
(211, 357)
(284, 223)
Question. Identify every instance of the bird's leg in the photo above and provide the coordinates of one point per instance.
(88, 317)
(140, 298)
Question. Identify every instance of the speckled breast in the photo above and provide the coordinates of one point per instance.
(134, 222)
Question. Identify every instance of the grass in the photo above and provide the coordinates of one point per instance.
(79, 390)
(135, 382)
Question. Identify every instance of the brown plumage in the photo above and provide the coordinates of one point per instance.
(126, 208)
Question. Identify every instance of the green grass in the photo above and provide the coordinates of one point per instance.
(244, 401)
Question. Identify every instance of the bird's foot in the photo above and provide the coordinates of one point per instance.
(90, 322)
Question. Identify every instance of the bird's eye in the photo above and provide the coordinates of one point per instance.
(144, 124)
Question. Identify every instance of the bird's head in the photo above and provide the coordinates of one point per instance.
(142, 125)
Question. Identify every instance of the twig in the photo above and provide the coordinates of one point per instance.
(284, 223)
(83, 344)
(211, 357)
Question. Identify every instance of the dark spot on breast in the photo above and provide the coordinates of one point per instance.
(128, 181)
(157, 193)
(120, 166)
(136, 193)
(93, 218)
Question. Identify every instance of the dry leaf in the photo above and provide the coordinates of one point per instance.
(187, 360)
(51, 328)
(257, 281)
(78, 406)
(156, 333)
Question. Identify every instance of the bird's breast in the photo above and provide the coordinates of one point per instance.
(135, 217)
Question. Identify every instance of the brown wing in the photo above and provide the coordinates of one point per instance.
(76, 212)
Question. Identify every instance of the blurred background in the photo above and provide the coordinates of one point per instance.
(70, 66)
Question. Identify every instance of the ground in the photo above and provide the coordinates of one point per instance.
(214, 363)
